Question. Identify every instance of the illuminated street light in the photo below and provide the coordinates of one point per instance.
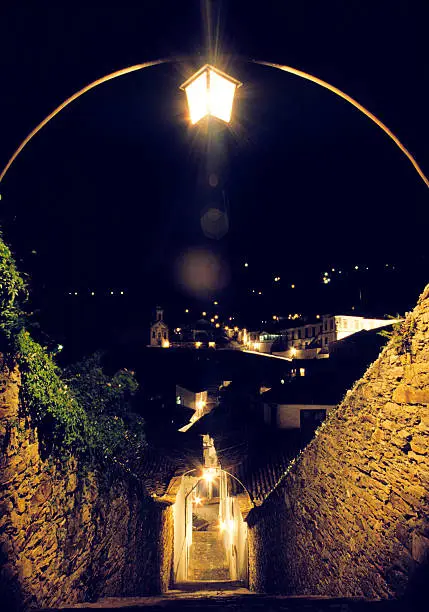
(210, 92)
(209, 474)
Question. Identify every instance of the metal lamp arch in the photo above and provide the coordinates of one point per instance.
(252, 501)
(284, 68)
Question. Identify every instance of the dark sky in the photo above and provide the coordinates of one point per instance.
(111, 193)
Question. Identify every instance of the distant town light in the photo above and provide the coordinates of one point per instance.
(317, 316)
(356, 267)
(122, 293)
(60, 347)
(204, 313)
(333, 270)
(200, 404)
(282, 380)
(215, 303)
(210, 92)
(198, 344)
(217, 325)
(165, 344)
(92, 292)
(246, 265)
(292, 286)
(212, 320)
(187, 310)
(231, 318)
(111, 293)
(293, 351)
(75, 292)
(259, 292)
(212, 344)
(216, 316)
(236, 329)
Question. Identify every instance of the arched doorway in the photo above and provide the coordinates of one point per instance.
(210, 533)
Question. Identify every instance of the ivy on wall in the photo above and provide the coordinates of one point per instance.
(83, 411)
(13, 291)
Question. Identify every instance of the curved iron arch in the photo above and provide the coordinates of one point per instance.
(284, 68)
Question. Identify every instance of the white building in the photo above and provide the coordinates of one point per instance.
(312, 340)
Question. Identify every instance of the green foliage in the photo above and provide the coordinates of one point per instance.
(62, 422)
(116, 431)
(86, 413)
(400, 334)
(96, 390)
(13, 290)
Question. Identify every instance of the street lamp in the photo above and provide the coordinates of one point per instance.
(210, 92)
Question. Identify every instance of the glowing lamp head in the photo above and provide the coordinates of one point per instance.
(210, 92)
(209, 474)
(197, 501)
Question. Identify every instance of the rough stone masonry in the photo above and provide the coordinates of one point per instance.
(66, 537)
(351, 517)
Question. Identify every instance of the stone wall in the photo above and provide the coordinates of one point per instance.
(65, 537)
(351, 517)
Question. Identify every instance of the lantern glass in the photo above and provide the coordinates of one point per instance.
(221, 96)
(196, 92)
(210, 92)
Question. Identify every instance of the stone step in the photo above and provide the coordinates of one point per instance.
(207, 560)
(209, 585)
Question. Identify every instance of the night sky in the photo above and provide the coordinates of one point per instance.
(110, 195)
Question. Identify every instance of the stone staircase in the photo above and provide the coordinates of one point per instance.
(207, 560)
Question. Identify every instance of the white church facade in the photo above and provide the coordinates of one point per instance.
(159, 332)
